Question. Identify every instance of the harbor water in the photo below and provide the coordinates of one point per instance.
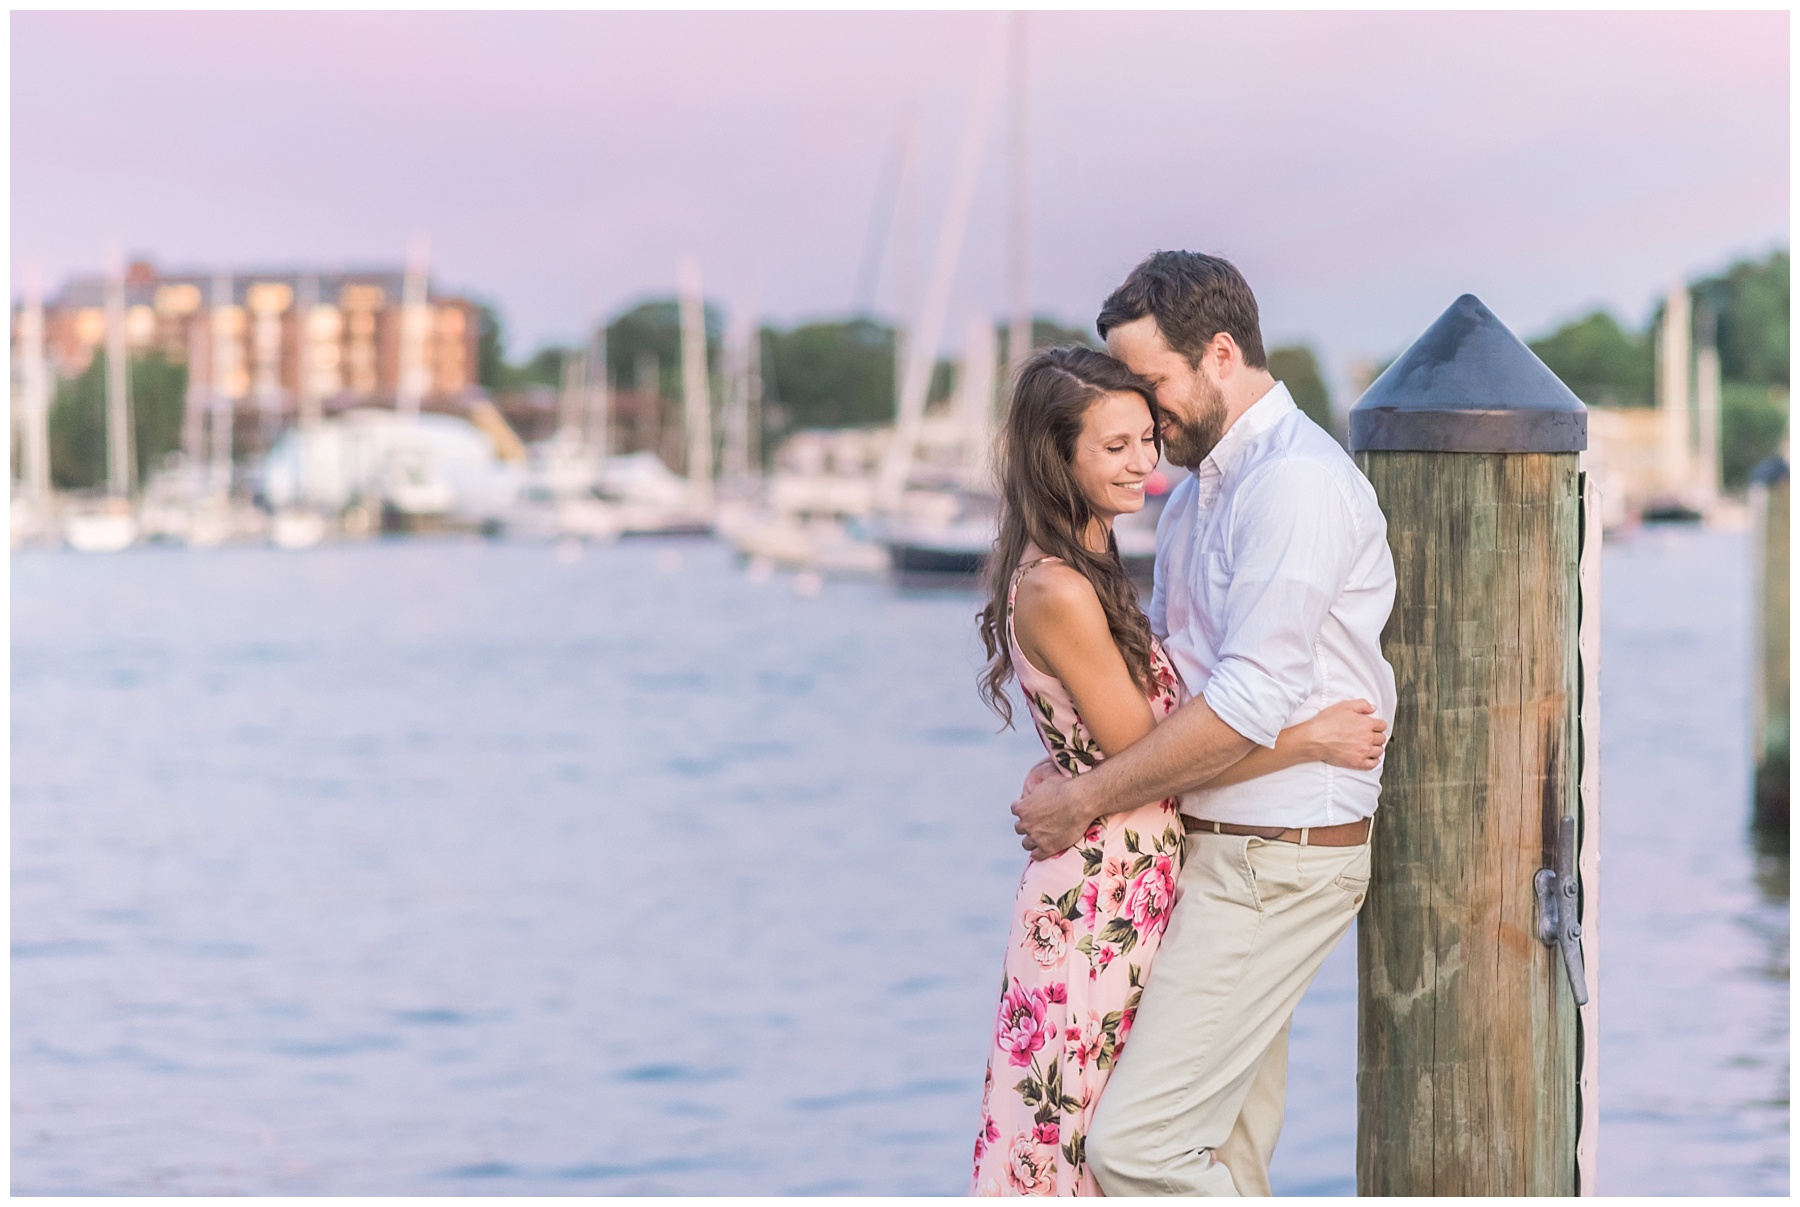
(450, 866)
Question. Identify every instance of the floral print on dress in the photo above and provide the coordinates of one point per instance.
(1086, 925)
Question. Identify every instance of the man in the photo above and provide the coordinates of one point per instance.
(1273, 583)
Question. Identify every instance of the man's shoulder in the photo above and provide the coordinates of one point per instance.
(1298, 452)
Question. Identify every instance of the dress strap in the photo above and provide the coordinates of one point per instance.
(1019, 573)
(1023, 568)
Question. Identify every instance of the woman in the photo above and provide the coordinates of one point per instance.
(1080, 439)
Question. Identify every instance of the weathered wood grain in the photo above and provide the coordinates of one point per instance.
(1587, 729)
(1466, 1050)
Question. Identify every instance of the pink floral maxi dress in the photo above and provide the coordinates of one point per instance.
(1085, 927)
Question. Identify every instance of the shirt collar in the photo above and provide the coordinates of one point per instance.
(1263, 414)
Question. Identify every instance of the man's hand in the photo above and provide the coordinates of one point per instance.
(1052, 815)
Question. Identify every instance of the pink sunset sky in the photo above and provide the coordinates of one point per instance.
(1362, 169)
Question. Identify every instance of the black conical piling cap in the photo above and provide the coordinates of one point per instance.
(1468, 385)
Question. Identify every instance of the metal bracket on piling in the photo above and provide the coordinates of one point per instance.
(1559, 909)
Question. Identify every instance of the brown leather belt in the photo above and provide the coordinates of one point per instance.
(1349, 834)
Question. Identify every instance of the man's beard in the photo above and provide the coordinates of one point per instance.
(1191, 439)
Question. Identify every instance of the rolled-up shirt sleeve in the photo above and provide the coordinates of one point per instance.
(1292, 544)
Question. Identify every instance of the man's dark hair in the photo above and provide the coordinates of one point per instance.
(1192, 297)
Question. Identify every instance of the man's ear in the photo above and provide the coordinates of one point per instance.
(1223, 354)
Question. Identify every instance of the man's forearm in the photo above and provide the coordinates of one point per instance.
(1185, 751)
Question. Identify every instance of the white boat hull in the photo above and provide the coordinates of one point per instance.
(296, 529)
(104, 532)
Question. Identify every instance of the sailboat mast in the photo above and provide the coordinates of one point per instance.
(1707, 390)
(922, 346)
(753, 398)
(574, 385)
(975, 399)
(306, 386)
(1674, 366)
(414, 318)
(1018, 228)
(194, 404)
(225, 323)
(695, 400)
(906, 250)
(735, 457)
(599, 396)
(36, 395)
(118, 400)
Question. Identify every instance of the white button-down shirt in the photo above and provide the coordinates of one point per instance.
(1273, 583)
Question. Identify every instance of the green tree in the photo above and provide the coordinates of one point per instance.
(490, 350)
(830, 374)
(1296, 367)
(158, 403)
(655, 327)
(77, 420)
(496, 373)
(545, 368)
(1046, 333)
(1752, 421)
(941, 386)
(1601, 362)
(1751, 302)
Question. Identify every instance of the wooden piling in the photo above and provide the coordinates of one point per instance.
(1769, 499)
(1467, 1046)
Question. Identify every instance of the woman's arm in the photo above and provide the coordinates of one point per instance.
(1348, 734)
(1062, 629)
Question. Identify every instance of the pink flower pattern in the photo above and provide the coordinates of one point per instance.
(1086, 925)
(1021, 1029)
(1047, 935)
(1151, 896)
(1031, 1166)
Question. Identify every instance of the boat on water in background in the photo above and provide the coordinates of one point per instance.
(104, 526)
(816, 505)
(109, 525)
(408, 473)
(296, 529)
(953, 541)
(572, 486)
(568, 493)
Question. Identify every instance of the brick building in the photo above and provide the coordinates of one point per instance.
(351, 333)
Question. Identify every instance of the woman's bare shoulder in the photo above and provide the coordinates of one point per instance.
(1057, 595)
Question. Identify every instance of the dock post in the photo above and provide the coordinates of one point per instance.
(1469, 951)
(1769, 499)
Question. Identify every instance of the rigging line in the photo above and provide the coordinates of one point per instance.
(881, 226)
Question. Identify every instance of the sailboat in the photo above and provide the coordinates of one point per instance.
(938, 527)
(575, 487)
(303, 527)
(818, 495)
(948, 519)
(212, 521)
(555, 498)
(108, 525)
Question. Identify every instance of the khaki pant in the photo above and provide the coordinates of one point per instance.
(1195, 1104)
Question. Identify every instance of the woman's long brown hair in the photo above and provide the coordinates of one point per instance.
(1041, 502)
